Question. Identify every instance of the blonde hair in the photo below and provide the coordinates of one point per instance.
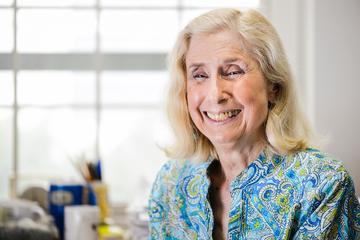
(286, 128)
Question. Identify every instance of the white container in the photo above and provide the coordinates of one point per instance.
(81, 222)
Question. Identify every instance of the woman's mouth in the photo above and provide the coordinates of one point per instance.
(222, 116)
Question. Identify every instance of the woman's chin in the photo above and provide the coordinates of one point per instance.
(224, 139)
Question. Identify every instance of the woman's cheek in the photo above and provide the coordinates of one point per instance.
(194, 97)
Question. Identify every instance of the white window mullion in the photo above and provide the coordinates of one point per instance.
(14, 177)
(97, 81)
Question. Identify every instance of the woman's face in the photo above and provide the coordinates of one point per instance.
(226, 91)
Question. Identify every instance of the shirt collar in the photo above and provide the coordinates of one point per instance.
(266, 161)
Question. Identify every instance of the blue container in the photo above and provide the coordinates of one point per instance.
(61, 195)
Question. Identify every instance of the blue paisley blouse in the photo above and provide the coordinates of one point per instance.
(307, 195)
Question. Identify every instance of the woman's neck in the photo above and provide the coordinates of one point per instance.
(234, 158)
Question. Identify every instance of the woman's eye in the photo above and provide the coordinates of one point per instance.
(199, 76)
(235, 73)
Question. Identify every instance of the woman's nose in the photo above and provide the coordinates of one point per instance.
(219, 91)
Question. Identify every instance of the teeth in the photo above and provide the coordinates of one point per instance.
(223, 116)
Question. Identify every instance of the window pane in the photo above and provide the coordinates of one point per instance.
(55, 3)
(6, 147)
(56, 87)
(6, 88)
(223, 3)
(6, 30)
(138, 30)
(6, 2)
(56, 30)
(139, 3)
(141, 87)
(58, 134)
(189, 15)
(129, 148)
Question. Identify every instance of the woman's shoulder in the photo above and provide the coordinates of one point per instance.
(314, 161)
(320, 174)
(175, 169)
(174, 172)
(326, 196)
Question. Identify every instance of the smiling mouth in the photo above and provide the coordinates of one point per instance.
(223, 116)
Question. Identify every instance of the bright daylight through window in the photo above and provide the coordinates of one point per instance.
(87, 77)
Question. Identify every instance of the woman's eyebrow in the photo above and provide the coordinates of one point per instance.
(231, 60)
(195, 65)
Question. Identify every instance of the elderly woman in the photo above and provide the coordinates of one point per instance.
(242, 167)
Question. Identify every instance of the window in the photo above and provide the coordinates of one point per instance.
(87, 77)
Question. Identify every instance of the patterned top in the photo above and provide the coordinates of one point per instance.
(306, 195)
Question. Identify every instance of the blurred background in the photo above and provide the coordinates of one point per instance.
(87, 78)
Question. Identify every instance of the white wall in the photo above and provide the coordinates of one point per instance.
(322, 40)
(337, 85)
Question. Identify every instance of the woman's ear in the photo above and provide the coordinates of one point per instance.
(273, 90)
